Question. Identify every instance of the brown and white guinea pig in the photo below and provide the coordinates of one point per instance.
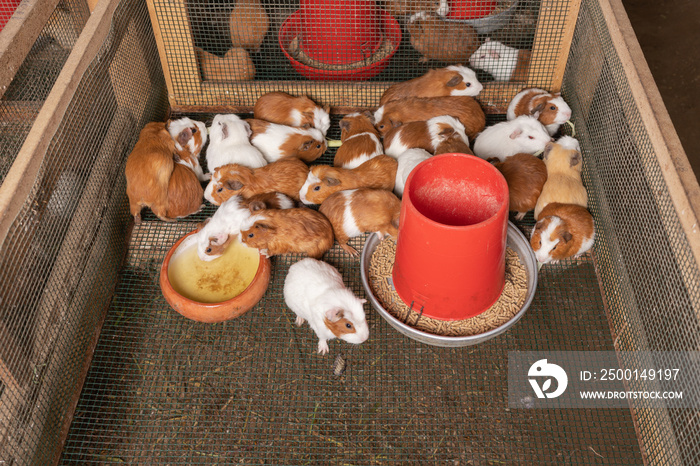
(286, 109)
(525, 175)
(502, 62)
(440, 40)
(407, 162)
(464, 108)
(453, 144)
(409, 7)
(315, 292)
(426, 135)
(235, 65)
(296, 230)
(360, 140)
(550, 109)
(562, 231)
(564, 185)
(453, 80)
(524, 134)
(378, 172)
(277, 141)
(356, 211)
(285, 176)
(215, 233)
(190, 137)
(248, 24)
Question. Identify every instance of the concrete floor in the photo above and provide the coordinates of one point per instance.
(669, 34)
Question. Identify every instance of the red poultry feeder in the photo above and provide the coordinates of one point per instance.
(471, 9)
(450, 252)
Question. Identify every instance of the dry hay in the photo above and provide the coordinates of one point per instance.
(509, 303)
(382, 52)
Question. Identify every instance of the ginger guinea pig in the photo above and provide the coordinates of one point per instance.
(440, 40)
(248, 24)
(279, 141)
(289, 110)
(502, 62)
(360, 140)
(453, 80)
(315, 292)
(562, 231)
(401, 111)
(550, 109)
(323, 180)
(296, 230)
(564, 185)
(525, 175)
(357, 211)
(426, 135)
(285, 176)
(523, 135)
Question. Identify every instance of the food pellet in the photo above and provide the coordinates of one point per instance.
(509, 303)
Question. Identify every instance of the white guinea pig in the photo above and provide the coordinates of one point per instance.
(524, 134)
(408, 160)
(193, 145)
(229, 143)
(315, 291)
(500, 61)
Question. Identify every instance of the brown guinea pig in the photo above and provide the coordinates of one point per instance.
(236, 65)
(464, 108)
(562, 231)
(185, 192)
(440, 40)
(248, 24)
(564, 185)
(453, 80)
(279, 141)
(285, 176)
(357, 211)
(286, 109)
(525, 175)
(297, 230)
(430, 135)
(360, 140)
(378, 172)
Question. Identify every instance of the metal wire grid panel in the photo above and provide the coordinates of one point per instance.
(33, 81)
(226, 54)
(650, 279)
(60, 261)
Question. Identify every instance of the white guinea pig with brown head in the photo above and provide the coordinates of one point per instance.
(286, 109)
(315, 292)
(279, 141)
(426, 135)
(502, 62)
(550, 109)
(524, 134)
(564, 185)
(360, 140)
(229, 143)
(562, 231)
(378, 172)
(357, 211)
(452, 80)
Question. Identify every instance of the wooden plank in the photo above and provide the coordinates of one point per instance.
(14, 362)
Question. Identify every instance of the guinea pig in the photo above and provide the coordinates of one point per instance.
(453, 80)
(408, 160)
(524, 134)
(564, 185)
(278, 141)
(440, 40)
(229, 143)
(248, 24)
(214, 234)
(190, 136)
(525, 175)
(562, 231)
(409, 7)
(360, 140)
(357, 211)
(315, 292)
(550, 109)
(323, 180)
(285, 176)
(426, 135)
(235, 65)
(453, 143)
(185, 192)
(502, 62)
(401, 111)
(296, 230)
(286, 109)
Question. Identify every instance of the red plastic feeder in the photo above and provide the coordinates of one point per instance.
(450, 252)
(471, 9)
